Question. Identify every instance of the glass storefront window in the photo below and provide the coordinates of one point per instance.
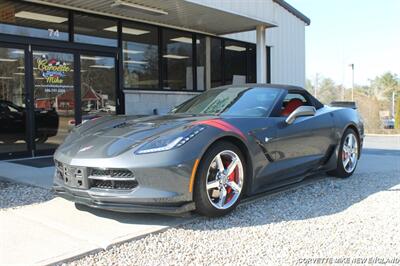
(12, 101)
(140, 56)
(54, 99)
(95, 30)
(97, 86)
(216, 64)
(235, 62)
(251, 63)
(18, 18)
(177, 60)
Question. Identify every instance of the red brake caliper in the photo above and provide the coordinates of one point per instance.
(231, 177)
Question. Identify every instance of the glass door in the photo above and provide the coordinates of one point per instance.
(13, 112)
(54, 98)
(98, 86)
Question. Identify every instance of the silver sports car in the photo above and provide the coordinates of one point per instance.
(208, 152)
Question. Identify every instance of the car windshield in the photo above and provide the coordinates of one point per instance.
(231, 101)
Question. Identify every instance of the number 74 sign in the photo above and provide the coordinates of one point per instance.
(54, 33)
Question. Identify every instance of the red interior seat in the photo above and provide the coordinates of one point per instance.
(292, 105)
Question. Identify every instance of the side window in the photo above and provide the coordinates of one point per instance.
(292, 101)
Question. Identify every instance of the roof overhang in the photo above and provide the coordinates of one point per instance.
(294, 11)
(178, 14)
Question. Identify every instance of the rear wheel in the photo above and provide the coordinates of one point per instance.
(348, 155)
(220, 180)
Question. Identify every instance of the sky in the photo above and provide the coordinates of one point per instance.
(363, 32)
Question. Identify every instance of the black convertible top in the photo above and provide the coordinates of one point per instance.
(313, 100)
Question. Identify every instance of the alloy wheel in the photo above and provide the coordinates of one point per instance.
(224, 180)
(350, 153)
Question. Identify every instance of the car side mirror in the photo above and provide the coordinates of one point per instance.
(300, 111)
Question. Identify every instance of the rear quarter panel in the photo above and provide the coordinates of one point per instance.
(344, 118)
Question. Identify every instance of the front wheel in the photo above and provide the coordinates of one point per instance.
(220, 180)
(348, 155)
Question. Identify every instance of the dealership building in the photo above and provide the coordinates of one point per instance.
(65, 61)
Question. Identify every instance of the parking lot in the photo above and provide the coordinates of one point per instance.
(323, 220)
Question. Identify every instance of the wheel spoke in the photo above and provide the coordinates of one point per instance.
(353, 158)
(220, 165)
(346, 162)
(212, 184)
(222, 197)
(232, 166)
(234, 186)
(345, 148)
(351, 141)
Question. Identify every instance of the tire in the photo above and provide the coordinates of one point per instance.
(347, 154)
(217, 193)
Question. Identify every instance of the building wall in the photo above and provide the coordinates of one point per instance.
(287, 43)
(287, 40)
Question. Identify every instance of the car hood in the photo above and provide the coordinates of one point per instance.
(113, 135)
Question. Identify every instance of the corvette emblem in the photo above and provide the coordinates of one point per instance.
(85, 148)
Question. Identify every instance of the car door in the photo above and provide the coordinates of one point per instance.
(299, 147)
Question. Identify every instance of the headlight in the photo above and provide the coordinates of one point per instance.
(170, 142)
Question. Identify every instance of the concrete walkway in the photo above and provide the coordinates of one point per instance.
(39, 177)
(56, 230)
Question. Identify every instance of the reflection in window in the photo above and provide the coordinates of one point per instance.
(97, 85)
(177, 60)
(216, 49)
(34, 21)
(12, 101)
(235, 62)
(95, 30)
(140, 56)
(231, 101)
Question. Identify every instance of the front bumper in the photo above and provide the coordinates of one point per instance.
(107, 204)
(161, 184)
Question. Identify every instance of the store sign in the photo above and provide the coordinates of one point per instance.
(54, 73)
(53, 33)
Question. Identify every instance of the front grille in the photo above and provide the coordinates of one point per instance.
(112, 173)
(108, 184)
(122, 179)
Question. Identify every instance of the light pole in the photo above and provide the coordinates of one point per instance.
(352, 81)
(316, 85)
